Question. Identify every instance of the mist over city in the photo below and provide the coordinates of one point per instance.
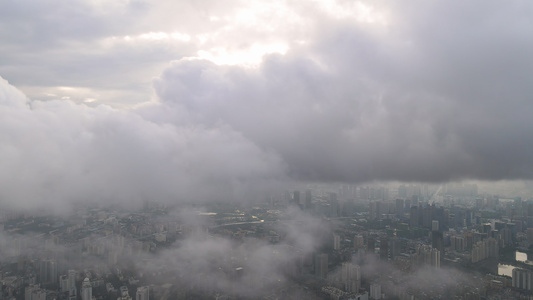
(324, 149)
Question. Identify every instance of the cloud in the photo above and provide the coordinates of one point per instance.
(437, 94)
(402, 92)
(62, 153)
(209, 264)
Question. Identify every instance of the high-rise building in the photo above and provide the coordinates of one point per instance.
(529, 232)
(402, 191)
(487, 248)
(296, 198)
(334, 205)
(308, 199)
(48, 271)
(428, 256)
(384, 248)
(86, 290)
(437, 240)
(63, 283)
(395, 247)
(375, 291)
(143, 293)
(336, 242)
(321, 265)
(435, 258)
(351, 277)
(458, 243)
(399, 207)
(370, 244)
(71, 285)
(34, 292)
(522, 279)
(413, 218)
(124, 293)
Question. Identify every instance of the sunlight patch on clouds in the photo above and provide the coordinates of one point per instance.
(248, 57)
(165, 36)
(148, 36)
(362, 12)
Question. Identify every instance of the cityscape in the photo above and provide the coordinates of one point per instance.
(390, 241)
(266, 150)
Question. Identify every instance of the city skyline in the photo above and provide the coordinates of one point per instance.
(325, 149)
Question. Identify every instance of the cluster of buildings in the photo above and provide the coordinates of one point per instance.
(377, 240)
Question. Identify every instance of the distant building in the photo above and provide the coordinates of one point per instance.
(308, 199)
(350, 277)
(437, 240)
(124, 293)
(522, 279)
(63, 283)
(370, 244)
(143, 293)
(428, 255)
(34, 292)
(296, 198)
(384, 248)
(487, 248)
(375, 291)
(321, 265)
(334, 205)
(71, 284)
(458, 243)
(86, 290)
(336, 242)
(399, 207)
(48, 271)
(395, 247)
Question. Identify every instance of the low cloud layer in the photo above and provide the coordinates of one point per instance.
(58, 153)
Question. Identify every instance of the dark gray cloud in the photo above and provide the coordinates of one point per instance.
(440, 93)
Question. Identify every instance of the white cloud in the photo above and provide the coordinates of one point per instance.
(62, 153)
(404, 92)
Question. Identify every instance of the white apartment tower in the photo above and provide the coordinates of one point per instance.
(351, 277)
(86, 290)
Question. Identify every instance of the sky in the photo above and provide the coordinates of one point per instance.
(195, 100)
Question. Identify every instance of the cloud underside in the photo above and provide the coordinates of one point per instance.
(438, 94)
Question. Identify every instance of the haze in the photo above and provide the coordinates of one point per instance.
(200, 102)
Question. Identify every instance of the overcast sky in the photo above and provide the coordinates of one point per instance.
(215, 99)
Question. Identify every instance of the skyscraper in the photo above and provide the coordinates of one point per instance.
(124, 293)
(34, 292)
(86, 290)
(143, 293)
(321, 265)
(336, 242)
(370, 244)
(384, 248)
(522, 279)
(375, 291)
(71, 285)
(296, 198)
(351, 277)
(399, 207)
(308, 198)
(48, 271)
